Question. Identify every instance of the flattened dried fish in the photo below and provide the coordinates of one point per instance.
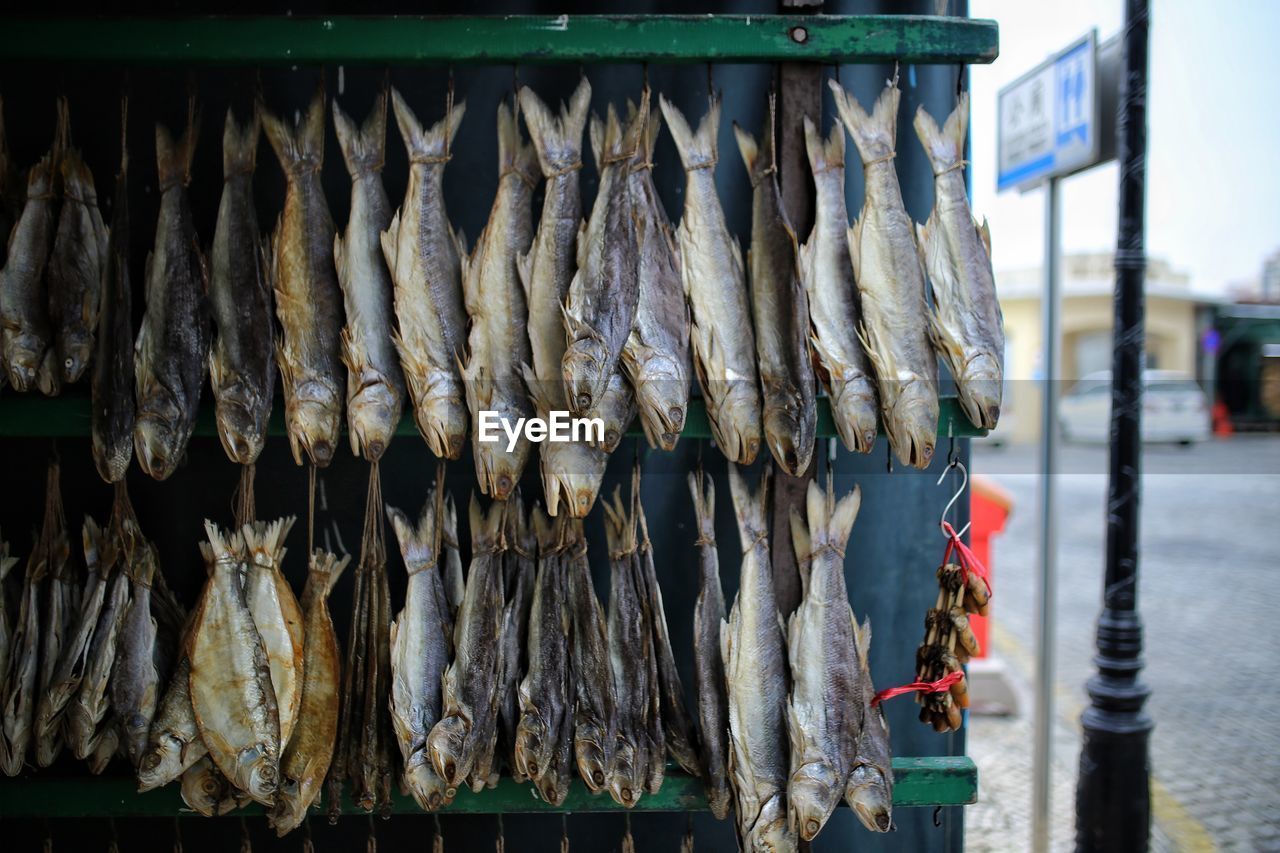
(375, 385)
(755, 663)
(968, 330)
(24, 304)
(655, 357)
(780, 309)
(519, 570)
(135, 679)
(724, 347)
(241, 364)
(75, 267)
(423, 252)
(601, 303)
(825, 697)
(470, 684)
(708, 665)
(421, 646)
(571, 471)
(826, 271)
(173, 345)
(306, 758)
(890, 278)
(498, 344)
(595, 715)
(231, 691)
(276, 614)
(308, 301)
(869, 790)
(112, 382)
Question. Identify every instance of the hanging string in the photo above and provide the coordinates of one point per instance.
(448, 115)
(564, 832)
(177, 835)
(628, 843)
(246, 846)
(437, 845)
(307, 845)
(243, 502)
(372, 845)
(500, 843)
(940, 686)
(969, 562)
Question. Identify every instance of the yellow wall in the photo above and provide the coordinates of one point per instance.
(1171, 337)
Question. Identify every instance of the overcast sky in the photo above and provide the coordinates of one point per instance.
(1213, 177)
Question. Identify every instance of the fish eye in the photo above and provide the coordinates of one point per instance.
(583, 401)
(69, 363)
(811, 828)
(597, 777)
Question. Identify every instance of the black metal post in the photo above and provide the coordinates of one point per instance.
(1113, 798)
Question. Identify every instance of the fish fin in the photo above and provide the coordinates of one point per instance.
(696, 149)
(595, 134)
(524, 268)
(339, 256)
(388, 240)
(417, 541)
(486, 527)
(363, 148)
(514, 154)
(460, 242)
(328, 567)
(750, 151)
(854, 237)
(862, 641)
(240, 144)
(803, 548)
(431, 143)
(633, 141)
(944, 147)
(874, 135)
(303, 144)
(652, 130)
(557, 139)
(749, 508)
(984, 234)
(824, 154)
(173, 159)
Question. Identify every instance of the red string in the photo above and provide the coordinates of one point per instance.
(969, 561)
(939, 686)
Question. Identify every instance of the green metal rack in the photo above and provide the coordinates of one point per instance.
(523, 39)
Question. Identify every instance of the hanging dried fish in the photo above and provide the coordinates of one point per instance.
(421, 646)
(276, 614)
(571, 471)
(62, 603)
(310, 749)
(206, 790)
(75, 266)
(231, 691)
(886, 265)
(173, 345)
(968, 330)
(595, 715)
(470, 684)
(18, 686)
(173, 743)
(135, 677)
(518, 570)
(869, 790)
(655, 357)
(308, 301)
(6, 624)
(375, 385)
(708, 665)
(498, 344)
(241, 362)
(454, 586)
(422, 252)
(112, 381)
(780, 309)
(724, 348)
(826, 271)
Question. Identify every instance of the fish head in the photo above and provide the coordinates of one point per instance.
(156, 442)
(23, 360)
(553, 786)
(242, 426)
(871, 798)
(663, 397)
(856, 419)
(812, 795)
(75, 349)
(617, 409)
(204, 789)
(312, 414)
(770, 832)
(445, 744)
(497, 471)
(258, 772)
(571, 476)
(736, 425)
(583, 368)
(373, 413)
(981, 384)
(589, 753)
(289, 810)
(789, 432)
(429, 790)
(625, 786)
(531, 735)
(913, 424)
(443, 421)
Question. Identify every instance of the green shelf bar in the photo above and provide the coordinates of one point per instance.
(399, 40)
(33, 416)
(933, 781)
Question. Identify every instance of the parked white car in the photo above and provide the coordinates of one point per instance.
(1174, 409)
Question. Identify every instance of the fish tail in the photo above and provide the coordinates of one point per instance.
(824, 154)
(831, 522)
(422, 144)
(696, 149)
(753, 520)
(219, 542)
(514, 154)
(557, 139)
(173, 159)
(652, 129)
(874, 135)
(240, 144)
(417, 542)
(546, 529)
(486, 527)
(267, 537)
(944, 146)
(758, 157)
(703, 490)
(305, 144)
(363, 148)
(326, 568)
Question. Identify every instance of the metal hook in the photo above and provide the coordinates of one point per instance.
(964, 484)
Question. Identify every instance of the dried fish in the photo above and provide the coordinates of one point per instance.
(826, 697)
(421, 646)
(61, 600)
(518, 597)
(470, 683)
(172, 349)
(112, 380)
(708, 665)
(886, 265)
(755, 662)
(231, 691)
(6, 625)
(423, 255)
(826, 271)
(135, 679)
(75, 266)
(309, 751)
(276, 614)
(24, 304)
(498, 344)
(869, 790)
(781, 310)
(308, 301)
(968, 330)
(724, 347)
(241, 362)
(375, 385)
(454, 586)
(18, 687)
(571, 471)
(173, 743)
(655, 358)
(10, 194)
(206, 790)
(595, 715)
